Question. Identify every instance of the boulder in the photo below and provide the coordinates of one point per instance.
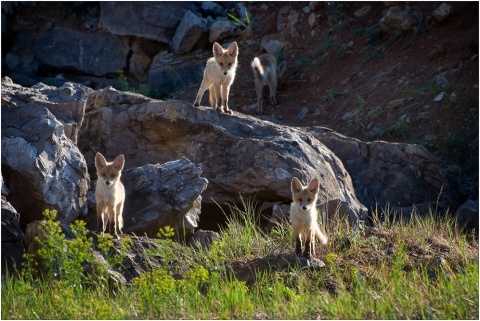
(90, 53)
(162, 195)
(221, 29)
(148, 20)
(241, 156)
(66, 103)
(390, 175)
(467, 215)
(42, 168)
(169, 73)
(12, 238)
(190, 30)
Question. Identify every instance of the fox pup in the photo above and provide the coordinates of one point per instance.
(218, 76)
(303, 215)
(110, 194)
(266, 72)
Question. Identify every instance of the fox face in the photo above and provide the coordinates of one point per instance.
(305, 196)
(226, 59)
(109, 172)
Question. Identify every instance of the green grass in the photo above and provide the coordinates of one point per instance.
(391, 272)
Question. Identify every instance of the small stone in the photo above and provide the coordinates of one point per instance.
(439, 97)
(312, 20)
(430, 137)
(442, 12)
(362, 11)
(302, 113)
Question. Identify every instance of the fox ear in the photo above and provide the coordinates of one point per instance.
(281, 68)
(296, 186)
(313, 186)
(100, 161)
(118, 162)
(233, 49)
(217, 49)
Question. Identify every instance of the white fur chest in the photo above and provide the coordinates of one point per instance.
(109, 194)
(301, 217)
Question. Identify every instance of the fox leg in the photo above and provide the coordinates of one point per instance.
(100, 218)
(259, 90)
(111, 220)
(309, 245)
(214, 95)
(225, 88)
(273, 89)
(119, 218)
(203, 87)
(298, 241)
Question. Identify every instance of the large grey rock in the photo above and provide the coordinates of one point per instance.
(66, 103)
(190, 30)
(12, 238)
(162, 195)
(42, 168)
(149, 20)
(94, 54)
(169, 73)
(239, 154)
(389, 174)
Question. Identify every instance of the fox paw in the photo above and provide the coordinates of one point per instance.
(195, 104)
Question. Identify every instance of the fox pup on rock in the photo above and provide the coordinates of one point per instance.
(266, 72)
(218, 76)
(110, 194)
(303, 215)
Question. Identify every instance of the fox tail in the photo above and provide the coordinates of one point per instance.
(322, 237)
(257, 67)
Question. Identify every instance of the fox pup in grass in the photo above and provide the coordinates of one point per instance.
(266, 72)
(110, 194)
(303, 215)
(218, 76)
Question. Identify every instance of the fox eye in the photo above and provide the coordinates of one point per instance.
(300, 199)
(221, 64)
(229, 64)
(309, 200)
(112, 175)
(104, 175)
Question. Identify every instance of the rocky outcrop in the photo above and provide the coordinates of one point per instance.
(69, 49)
(149, 20)
(237, 154)
(12, 238)
(389, 174)
(66, 103)
(160, 195)
(41, 167)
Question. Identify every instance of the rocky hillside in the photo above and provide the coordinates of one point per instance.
(393, 71)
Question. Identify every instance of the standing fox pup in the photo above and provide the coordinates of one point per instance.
(110, 194)
(303, 215)
(218, 76)
(266, 72)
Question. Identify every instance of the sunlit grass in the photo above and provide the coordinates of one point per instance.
(423, 268)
